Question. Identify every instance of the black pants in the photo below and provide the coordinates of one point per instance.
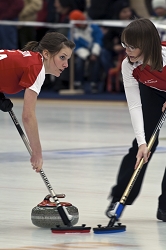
(152, 102)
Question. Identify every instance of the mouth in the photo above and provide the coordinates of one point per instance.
(61, 70)
(132, 57)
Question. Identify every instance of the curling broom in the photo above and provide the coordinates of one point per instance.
(65, 216)
(119, 206)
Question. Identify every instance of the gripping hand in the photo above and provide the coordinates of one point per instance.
(5, 104)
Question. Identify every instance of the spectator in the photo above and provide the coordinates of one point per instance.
(57, 12)
(88, 40)
(63, 9)
(111, 41)
(46, 14)
(140, 7)
(29, 13)
(159, 8)
(9, 10)
(98, 11)
(148, 4)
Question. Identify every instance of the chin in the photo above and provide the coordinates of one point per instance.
(133, 60)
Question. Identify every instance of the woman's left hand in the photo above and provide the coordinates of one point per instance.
(144, 153)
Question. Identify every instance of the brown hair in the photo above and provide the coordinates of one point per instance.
(141, 33)
(52, 41)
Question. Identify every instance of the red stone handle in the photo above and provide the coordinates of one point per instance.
(48, 203)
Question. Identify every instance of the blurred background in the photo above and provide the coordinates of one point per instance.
(94, 70)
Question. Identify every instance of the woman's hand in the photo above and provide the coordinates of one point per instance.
(37, 161)
(143, 152)
(164, 107)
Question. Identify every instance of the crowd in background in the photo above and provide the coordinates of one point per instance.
(98, 48)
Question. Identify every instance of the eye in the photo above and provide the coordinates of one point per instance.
(62, 57)
(131, 47)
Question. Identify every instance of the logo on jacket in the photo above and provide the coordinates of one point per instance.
(150, 81)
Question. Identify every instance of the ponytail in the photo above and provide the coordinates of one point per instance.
(31, 46)
(52, 41)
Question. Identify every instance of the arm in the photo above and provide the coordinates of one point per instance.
(31, 128)
(134, 101)
(82, 45)
(135, 107)
(97, 39)
(31, 8)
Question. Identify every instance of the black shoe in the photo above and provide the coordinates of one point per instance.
(161, 214)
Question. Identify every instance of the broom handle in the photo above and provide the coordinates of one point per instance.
(64, 215)
(138, 169)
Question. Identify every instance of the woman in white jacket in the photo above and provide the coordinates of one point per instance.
(144, 77)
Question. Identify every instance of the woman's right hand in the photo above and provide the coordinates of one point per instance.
(164, 107)
(143, 152)
(37, 162)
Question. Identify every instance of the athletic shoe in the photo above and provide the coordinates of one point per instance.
(161, 214)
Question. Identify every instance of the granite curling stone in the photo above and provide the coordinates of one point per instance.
(46, 215)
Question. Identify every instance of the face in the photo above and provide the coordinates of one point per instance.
(125, 14)
(56, 64)
(161, 12)
(59, 8)
(133, 53)
(81, 26)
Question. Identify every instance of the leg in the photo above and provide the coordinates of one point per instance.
(161, 212)
(106, 60)
(79, 69)
(162, 197)
(152, 101)
(95, 72)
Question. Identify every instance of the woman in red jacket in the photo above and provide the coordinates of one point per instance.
(25, 70)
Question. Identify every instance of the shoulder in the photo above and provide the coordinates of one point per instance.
(95, 27)
(31, 56)
(130, 72)
(126, 65)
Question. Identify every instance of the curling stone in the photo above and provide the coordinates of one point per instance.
(46, 215)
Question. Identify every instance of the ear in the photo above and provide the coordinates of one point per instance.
(45, 54)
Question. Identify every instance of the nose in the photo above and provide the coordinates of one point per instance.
(65, 65)
(128, 49)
